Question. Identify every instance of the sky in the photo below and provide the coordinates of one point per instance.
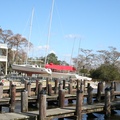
(75, 24)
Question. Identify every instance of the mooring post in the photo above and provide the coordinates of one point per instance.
(10, 85)
(1, 90)
(24, 101)
(42, 106)
(25, 84)
(47, 82)
(99, 91)
(56, 86)
(61, 98)
(64, 82)
(112, 91)
(70, 87)
(39, 90)
(82, 87)
(79, 102)
(78, 84)
(29, 89)
(115, 88)
(107, 103)
(49, 89)
(90, 95)
(60, 86)
(12, 98)
(36, 89)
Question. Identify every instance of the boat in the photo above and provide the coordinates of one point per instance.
(31, 69)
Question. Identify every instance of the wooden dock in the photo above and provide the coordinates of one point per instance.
(41, 96)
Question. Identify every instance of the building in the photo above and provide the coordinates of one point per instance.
(3, 58)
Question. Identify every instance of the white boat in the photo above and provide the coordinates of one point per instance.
(60, 76)
(31, 69)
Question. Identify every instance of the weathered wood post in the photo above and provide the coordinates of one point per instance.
(79, 102)
(112, 91)
(64, 84)
(90, 94)
(78, 84)
(99, 91)
(29, 89)
(107, 103)
(25, 84)
(61, 98)
(70, 87)
(60, 86)
(49, 89)
(47, 82)
(36, 89)
(10, 85)
(12, 99)
(1, 90)
(82, 87)
(56, 86)
(39, 90)
(42, 105)
(115, 88)
(24, 101)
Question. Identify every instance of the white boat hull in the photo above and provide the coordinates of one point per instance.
(31, 69)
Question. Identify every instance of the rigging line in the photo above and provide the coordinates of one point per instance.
(30, 34)
(49, 31)
(72, 49)
(78, 52)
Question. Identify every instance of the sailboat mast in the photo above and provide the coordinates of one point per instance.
(29, 35)
(48, 40)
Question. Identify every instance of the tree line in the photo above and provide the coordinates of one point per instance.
(104, 64)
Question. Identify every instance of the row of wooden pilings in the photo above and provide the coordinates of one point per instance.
(41, 97)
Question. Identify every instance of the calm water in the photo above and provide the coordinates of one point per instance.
(99, 116)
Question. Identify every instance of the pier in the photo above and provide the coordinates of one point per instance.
(43, 95)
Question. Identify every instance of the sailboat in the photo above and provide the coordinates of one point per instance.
(31, 69)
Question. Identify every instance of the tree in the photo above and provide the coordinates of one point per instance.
(106, 73)
(52, 58)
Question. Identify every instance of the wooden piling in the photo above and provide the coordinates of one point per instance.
(56, 86)
(12, 100)
(90, 95)
(99, 91)
(10, 85)
(38, 94)
(115, 88)
(64, 82)
(24, 101)
(36, 89)
(25, 84)
(42, 106)
(60, 86)
(49, 89)
(112, 91)
(29, 89)
(78, 85)
(79, 102)
(107, 103)
(61, 98)
(1, 90)
(70, 87)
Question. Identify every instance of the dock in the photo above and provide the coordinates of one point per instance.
(43, 96)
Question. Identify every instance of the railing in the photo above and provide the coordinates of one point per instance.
(3, 46)
(3, 58)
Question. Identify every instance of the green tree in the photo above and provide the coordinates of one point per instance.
(52, 58)
(106, 73)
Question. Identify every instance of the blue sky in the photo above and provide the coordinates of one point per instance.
(96, 23)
